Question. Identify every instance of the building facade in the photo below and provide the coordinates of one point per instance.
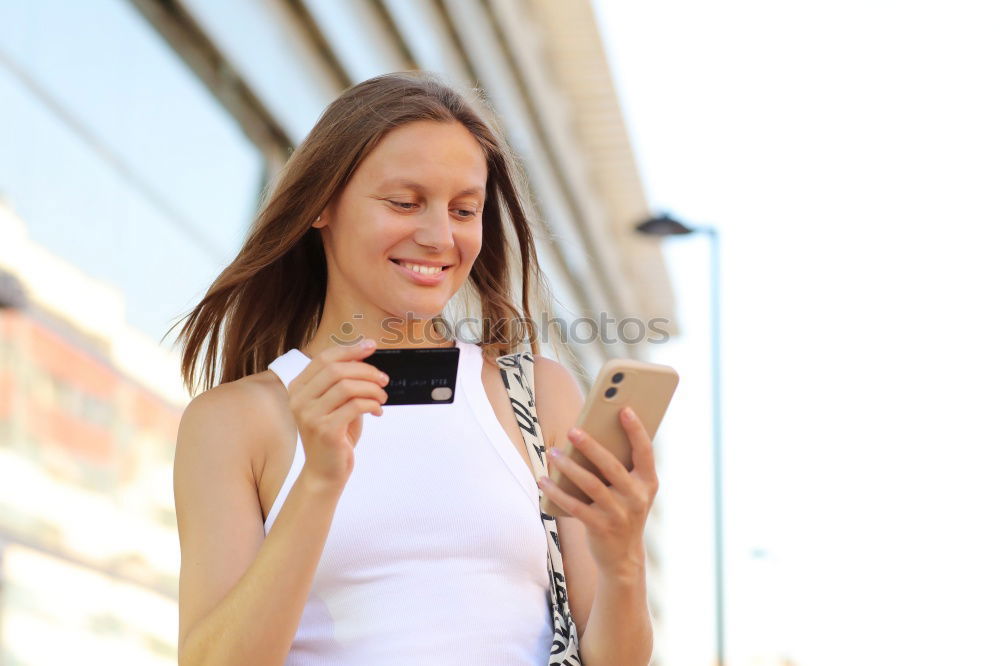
(137, 139)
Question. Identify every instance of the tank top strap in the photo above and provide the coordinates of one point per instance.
(289, 365)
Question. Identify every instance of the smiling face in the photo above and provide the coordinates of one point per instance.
(404, 233)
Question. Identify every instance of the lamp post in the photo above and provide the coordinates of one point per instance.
(663, 226)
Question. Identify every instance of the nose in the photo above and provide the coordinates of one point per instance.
(434, 230)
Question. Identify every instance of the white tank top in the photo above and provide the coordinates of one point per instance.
(436, 553)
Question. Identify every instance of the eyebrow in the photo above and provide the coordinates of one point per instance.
(402, 182)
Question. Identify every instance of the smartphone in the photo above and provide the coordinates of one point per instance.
(421, 376)
(645, 387)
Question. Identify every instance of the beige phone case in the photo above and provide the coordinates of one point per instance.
(646, 387)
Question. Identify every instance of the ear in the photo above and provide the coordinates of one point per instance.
(321, 220)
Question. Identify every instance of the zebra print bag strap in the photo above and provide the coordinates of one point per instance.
(518, 373)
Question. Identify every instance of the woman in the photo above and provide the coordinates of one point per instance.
(311, 533)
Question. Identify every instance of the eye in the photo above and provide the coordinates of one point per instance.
(466, 214)
(404, 204)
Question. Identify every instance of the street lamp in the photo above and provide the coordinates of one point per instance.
(663, 226)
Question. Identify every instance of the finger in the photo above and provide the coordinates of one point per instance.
(331, 355)
(352, 409)
(643, 460)
(337, 371)
(584, 479)
(347, 389)
(610, 467)
(571, 505)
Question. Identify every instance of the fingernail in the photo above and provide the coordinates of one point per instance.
(574, 433)
(384, 376)
(629, 414)
(367, 344)
(555, 453)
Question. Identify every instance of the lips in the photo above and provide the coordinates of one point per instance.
(419, 262)
(418, 277)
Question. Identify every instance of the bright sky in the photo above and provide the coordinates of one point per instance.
(849, 153)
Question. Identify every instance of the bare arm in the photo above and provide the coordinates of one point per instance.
(559, 401)
(241, 595)
(610, 608)
(621, 629)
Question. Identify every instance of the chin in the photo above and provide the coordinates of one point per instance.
(411, 310)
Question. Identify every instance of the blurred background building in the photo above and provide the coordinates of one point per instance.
(136, 137)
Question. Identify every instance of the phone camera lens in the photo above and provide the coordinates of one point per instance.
(610, 392)
(618, 376)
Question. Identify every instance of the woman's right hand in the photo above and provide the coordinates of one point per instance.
(327, 399)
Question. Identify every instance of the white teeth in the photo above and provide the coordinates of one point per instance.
(426, 270)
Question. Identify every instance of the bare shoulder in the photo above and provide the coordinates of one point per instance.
(222, 442)
(553, 374)
(558, 398)
(237, 421)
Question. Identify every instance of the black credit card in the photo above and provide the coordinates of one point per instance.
(422, 376)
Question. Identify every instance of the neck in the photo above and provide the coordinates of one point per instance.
(387, 330)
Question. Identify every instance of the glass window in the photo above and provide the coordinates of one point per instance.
(117, 157)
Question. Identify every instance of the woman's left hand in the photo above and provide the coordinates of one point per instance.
(616, 519)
